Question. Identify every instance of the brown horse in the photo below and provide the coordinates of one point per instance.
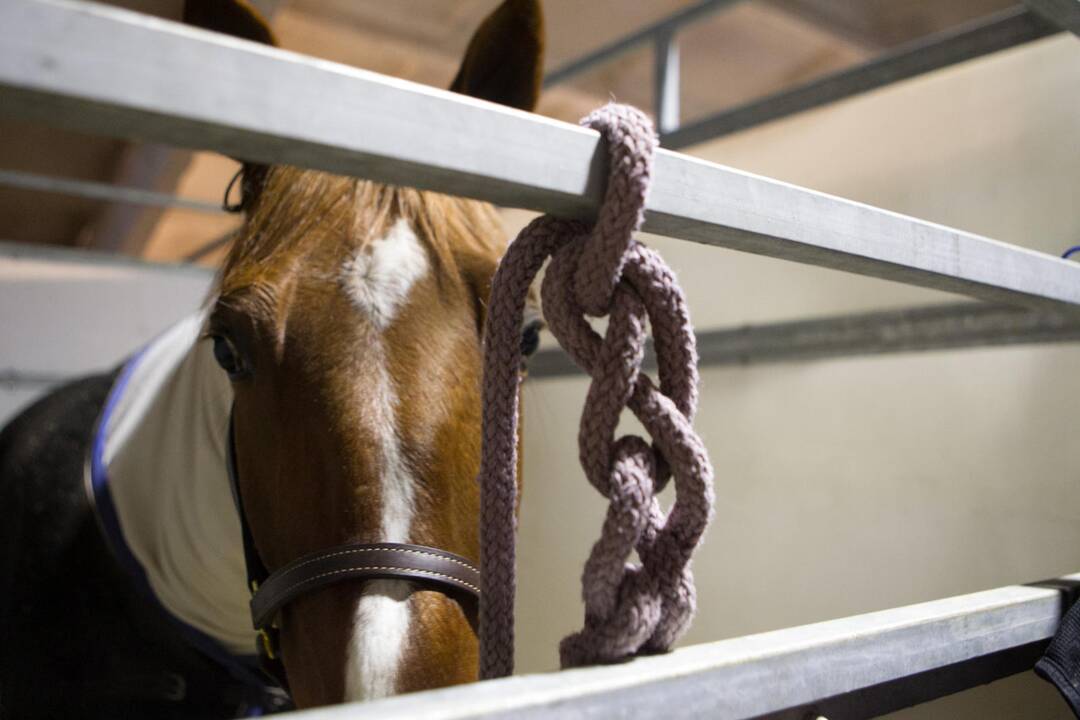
(351, 314)
(348, 318)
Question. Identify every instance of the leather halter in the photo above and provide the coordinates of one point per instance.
(271, 591)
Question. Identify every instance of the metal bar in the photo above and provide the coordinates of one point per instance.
(13, 253)
(935, 327)
(837, 20)
(90, 310)
(999, 31)
(612, 50)
(126, 227)
(203, 250)
(855, 667)
(101, 191)
(11, 378)
(666, 82)
(1063, 13)
(100, 69)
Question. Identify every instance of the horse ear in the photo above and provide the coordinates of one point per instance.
(505, 59)
(238, 18)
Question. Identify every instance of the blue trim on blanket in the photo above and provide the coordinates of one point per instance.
(244, 668)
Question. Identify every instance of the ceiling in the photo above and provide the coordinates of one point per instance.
(744, 51)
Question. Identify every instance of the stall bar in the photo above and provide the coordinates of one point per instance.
(854, 667)
(103, 70)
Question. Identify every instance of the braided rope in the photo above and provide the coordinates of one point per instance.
(601, 271)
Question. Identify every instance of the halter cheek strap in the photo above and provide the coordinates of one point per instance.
(428, 567)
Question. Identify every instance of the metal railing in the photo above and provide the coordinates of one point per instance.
(999, 31)
(102, 70)
(854, 667)
(102, 191)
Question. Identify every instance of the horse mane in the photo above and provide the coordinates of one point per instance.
(302, 211)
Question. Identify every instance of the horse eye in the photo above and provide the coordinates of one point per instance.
(227, 357)
(530, 338)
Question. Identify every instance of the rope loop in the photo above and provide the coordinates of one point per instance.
(597, 271)
(631, 143)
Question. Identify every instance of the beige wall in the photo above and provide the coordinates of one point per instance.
(853, 485)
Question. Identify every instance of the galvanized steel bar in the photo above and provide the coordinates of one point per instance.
(666, 95)
(13, 378)
(935, 327)
(101, 191)
(999, 31)
(855, 667)
(207, 248)
(1063, 13)
(90, 309)
(648, 33)
(99, 69)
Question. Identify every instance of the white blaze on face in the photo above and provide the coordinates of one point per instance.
(378, 280)
(381, 275)
(378, 640)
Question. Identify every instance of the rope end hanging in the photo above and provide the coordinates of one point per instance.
(602, 271)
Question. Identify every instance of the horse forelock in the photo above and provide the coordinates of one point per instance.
(300, 213)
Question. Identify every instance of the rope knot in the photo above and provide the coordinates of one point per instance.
(630, 141)
(602, 271)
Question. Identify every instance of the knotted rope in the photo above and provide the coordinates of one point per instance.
(629, 608)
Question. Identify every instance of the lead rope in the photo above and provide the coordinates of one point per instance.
(601, 271)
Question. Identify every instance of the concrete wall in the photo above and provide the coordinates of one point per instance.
(853, 485)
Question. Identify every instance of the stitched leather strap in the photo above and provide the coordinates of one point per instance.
(424, 565)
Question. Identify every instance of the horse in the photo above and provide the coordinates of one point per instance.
(336, 369)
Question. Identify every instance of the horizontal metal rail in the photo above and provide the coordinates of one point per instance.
(650, 33)
(855, 667)
(1063, 13)
(101, 191)
(207, 248)
(103, 70)
(938, 327)
(999, 31)
(89, 310)
(12, 251)
(935, 327)
(11, 378)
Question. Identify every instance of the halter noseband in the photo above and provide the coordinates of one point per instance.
(438, 569)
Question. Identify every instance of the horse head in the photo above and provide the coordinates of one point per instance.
(348, 315)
